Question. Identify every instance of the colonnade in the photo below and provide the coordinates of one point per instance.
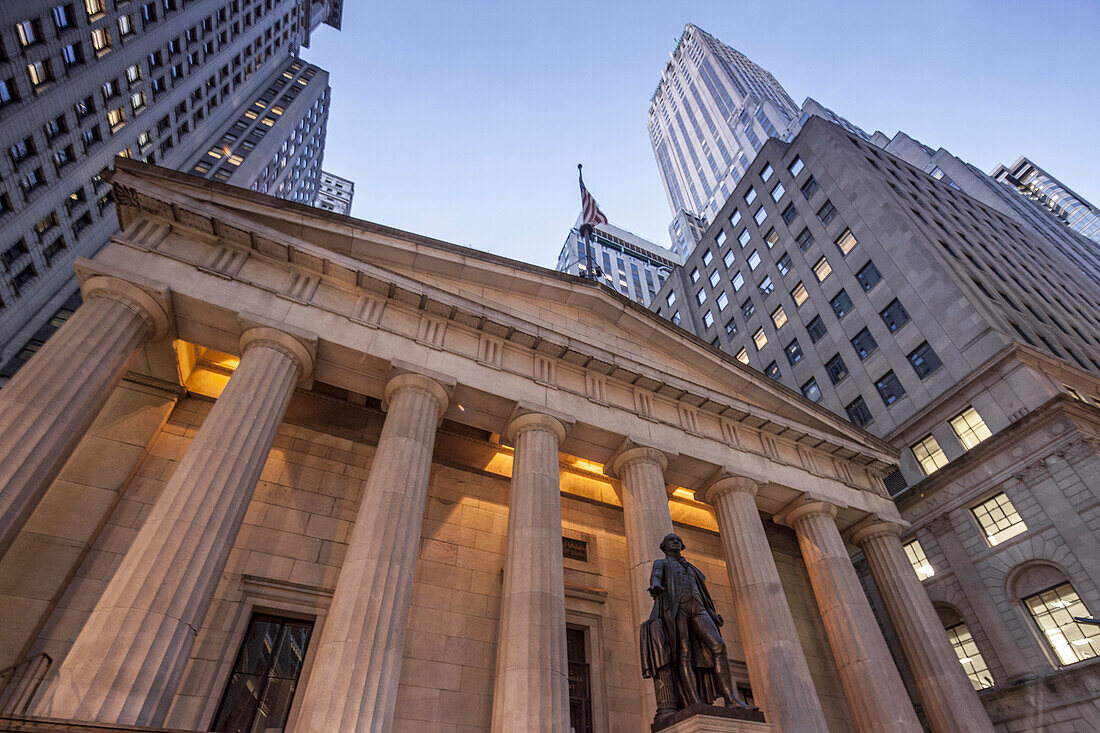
(126, 663)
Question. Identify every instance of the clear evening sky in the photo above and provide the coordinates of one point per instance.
(464, 120)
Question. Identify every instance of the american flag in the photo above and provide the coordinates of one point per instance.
(590, 211)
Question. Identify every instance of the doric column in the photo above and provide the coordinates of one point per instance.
(777, 665)
(49, 404)
(532, 683)
(352, 687)
(128, 658)
(946, 694)
(648, 521)
(875, 692)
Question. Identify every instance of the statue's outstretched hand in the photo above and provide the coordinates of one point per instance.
(656, 590)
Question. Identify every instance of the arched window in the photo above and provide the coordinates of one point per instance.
(965, 648)
(1053, 604)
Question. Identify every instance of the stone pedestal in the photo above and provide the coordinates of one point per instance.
(532, 684)
(352, 687)
(710, 719)
(49, 404)
(946, 694)
(128, 658)
(778, 670)
(872, 685)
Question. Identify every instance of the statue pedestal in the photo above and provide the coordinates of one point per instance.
(711, 719)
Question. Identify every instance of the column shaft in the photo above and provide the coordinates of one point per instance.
(872, 685)
(49, 404)
(353, 684)
(647, 521)
(946, 694)
(777, 664)
(532, 684)
(128, 658)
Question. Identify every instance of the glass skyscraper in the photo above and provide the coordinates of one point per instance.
(1055, 197)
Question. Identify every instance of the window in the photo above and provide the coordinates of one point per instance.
(671, 299)
(743, 238)
(789, 214)
(766, 173)
(796, 166)
(101, 41)
(708, 257)
(858, 413)
(93, 8)
(998, 519)
(842, 304)
(29, 32)
(794, 352)
(580, 687)
(723, 300)
(735, 217)
(868, 276)
(760, 216)
(894, 316)
(771, 238)
(727, 259)
(21, 150)
(766, 286)
(714, 277)
(970, 428)
(918, 560)
(754, 260)
(8, 93)
(137, 101)
(760, 339)
(747, 308)
(811, 391)
(969, 656)
(84, 107)
(750, 196)
(719, 239)
(799, 294)
(826, 213)
(1054, 612)
(265, 675)
(924, 360)
(809, 188)
(778, 191)
(738, 282)
(701, 296)
(816, 329)
(708, 319)
(836, 369)
(864, 344)
(779, 318)
(930, 457)
(675, 317)
(889, 388)
(731, 327)
(125, 25)
(62, 17)
(116, 118)
(846, 242)
(40, 73)
(695, 275)
(805, 238)
(743, 356)
(822, 270)
(783, 264)
(772, 370)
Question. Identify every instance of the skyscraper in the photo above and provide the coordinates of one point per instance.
(634, 266)
(334, 193)
(708, 117)
(163, 81)
(1055, 197)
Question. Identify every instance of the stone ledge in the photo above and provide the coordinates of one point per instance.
(20, 724)
(713, 719)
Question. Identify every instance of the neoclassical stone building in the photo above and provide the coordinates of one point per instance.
(292, 470)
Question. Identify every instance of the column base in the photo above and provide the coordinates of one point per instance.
(713, 719)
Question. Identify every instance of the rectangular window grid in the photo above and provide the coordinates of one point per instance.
(970, 428)
(998, 519)
(929, 455)
(918, 559)
(969, 656)
(1054, 611)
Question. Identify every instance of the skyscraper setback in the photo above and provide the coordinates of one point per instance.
(180, 83)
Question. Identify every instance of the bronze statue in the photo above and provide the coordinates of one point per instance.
(682, 649)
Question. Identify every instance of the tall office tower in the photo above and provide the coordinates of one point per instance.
(1052, 195)
(85, 80)
(962, 336)
(708, 117)
(334, 193)
(634, 266)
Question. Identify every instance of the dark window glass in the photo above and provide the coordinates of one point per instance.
(842, 304)
(794, 352)
(789, 214)
(766, 286)
(580, 685)
(924, 360)
(864, 344)
(265, 675)
(868, 276)
(809, 188)
(784, 264)
(731, 327)
(858, 412)
(772, 370)
(836, 369)
(804, 239)
(889, 388)
(811, 390)
(747, 308)
(827, 212)
(894, 316)
(816, 328)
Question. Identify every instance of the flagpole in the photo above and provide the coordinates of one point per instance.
(585, 232)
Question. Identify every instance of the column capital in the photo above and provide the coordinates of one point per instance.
(726, 484)
(151, 310)
(419, 383)
(629, 453)
(875, 528)
(532, 421)
(808, 508)
(273, 338)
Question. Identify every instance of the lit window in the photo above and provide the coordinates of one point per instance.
(133, 73)
(760, 339)
(39, 72)
(125, 25)
(998, 519)
(919, 560)
(101, 41)
(822, 269)
(754, 260)
(750, 196)
(28, 32)
(93, 7)
(846, 242)
(799, 294)
(760, 216)
(969, 656)
(1054, 611)
(743, 356)
(779, 318)
(778, 191)
(251, 114)
(116, 118)
(766, 173)
(929, 455)
(137, 101)
(796, 166)
(970, 428)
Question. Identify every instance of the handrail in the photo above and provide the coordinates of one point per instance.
(19, 683)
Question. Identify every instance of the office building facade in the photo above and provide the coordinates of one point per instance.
(960, 335)
(634, 266)
(86, 80)
(334, 193)
(1053, 196)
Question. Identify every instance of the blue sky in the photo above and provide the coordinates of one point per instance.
(465, 119)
